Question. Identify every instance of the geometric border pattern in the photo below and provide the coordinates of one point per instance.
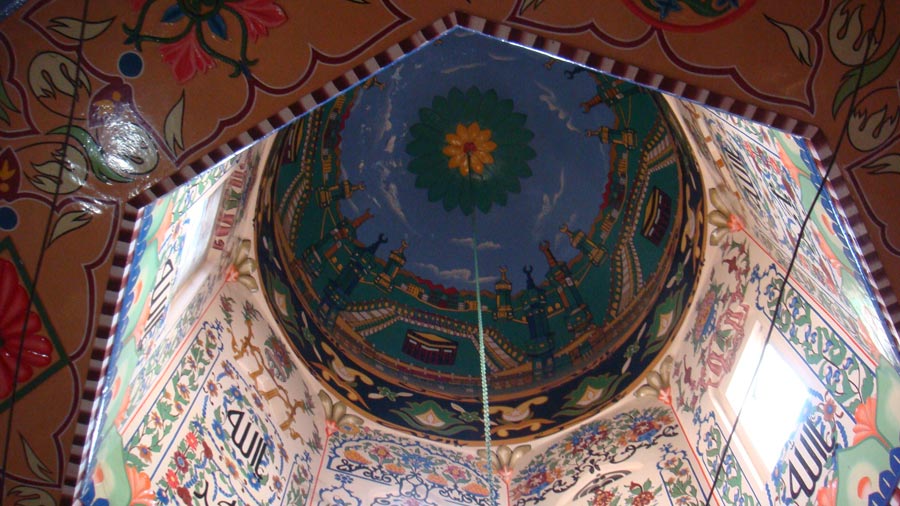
(101, 351)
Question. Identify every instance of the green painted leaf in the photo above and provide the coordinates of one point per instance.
(68, 222)
(95, 154)
(30, 496)
(887, 164)
(863, 75)
(34, 462)
(5, 102)
(77, 29)
(530, 4)
(796, 39)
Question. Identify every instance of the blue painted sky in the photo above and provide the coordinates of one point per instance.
(569, 172)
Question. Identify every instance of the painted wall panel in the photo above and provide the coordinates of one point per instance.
(371, 466)
(824, 328)
(769, 181)
(635, 454)
(221, 426)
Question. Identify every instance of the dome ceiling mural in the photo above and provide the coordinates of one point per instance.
(572, 187)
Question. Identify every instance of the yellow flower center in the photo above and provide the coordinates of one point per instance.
(469, 148)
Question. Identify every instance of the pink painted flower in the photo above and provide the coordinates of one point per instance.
(865, 421)
(19, 327)
(231, 467)
(380, 452)
(231, 274)
(456, 473)
(181, 462)
(829, 410)
(140, 487)
(734, 223)
(191, 440)
(186, 57)
(331, 427)
(665, 396)
(827, 496)
(259, 16)
(172, 479)
(144, 452)
(506, 475)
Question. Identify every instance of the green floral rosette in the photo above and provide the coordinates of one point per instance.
(470, 150)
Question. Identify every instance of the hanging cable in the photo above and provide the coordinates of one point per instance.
(482, 362)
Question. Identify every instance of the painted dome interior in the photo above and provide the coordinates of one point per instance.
(574, 190)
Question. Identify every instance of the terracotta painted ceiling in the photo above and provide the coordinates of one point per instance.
(575, 190)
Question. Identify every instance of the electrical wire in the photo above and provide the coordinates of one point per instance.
(40, 261)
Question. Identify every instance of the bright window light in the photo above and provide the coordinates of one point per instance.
(199, 222)
(772, 408)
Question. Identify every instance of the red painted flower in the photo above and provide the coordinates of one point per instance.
(456, 473)
(380, 453)
(259, 15)
(643, 499)
(603, 498)
(191, 440)
(331, 427)
(172, 479)
(186, 57)
(734, 223)
(19, 329)
(665, 396)
(865, 422)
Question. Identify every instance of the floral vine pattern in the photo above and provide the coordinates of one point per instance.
(731, 485)
(679, 477)
(873, 116)
(164, 418)
(588, 448)
(209, 435)
(419, 472)
(198, 22)
(787, 179)
(718, 330)
(705, 8)
(840, 369)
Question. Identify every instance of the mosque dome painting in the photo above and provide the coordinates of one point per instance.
(570, 188)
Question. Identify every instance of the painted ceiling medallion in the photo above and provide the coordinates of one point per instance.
(480, 139)
(590, 237)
